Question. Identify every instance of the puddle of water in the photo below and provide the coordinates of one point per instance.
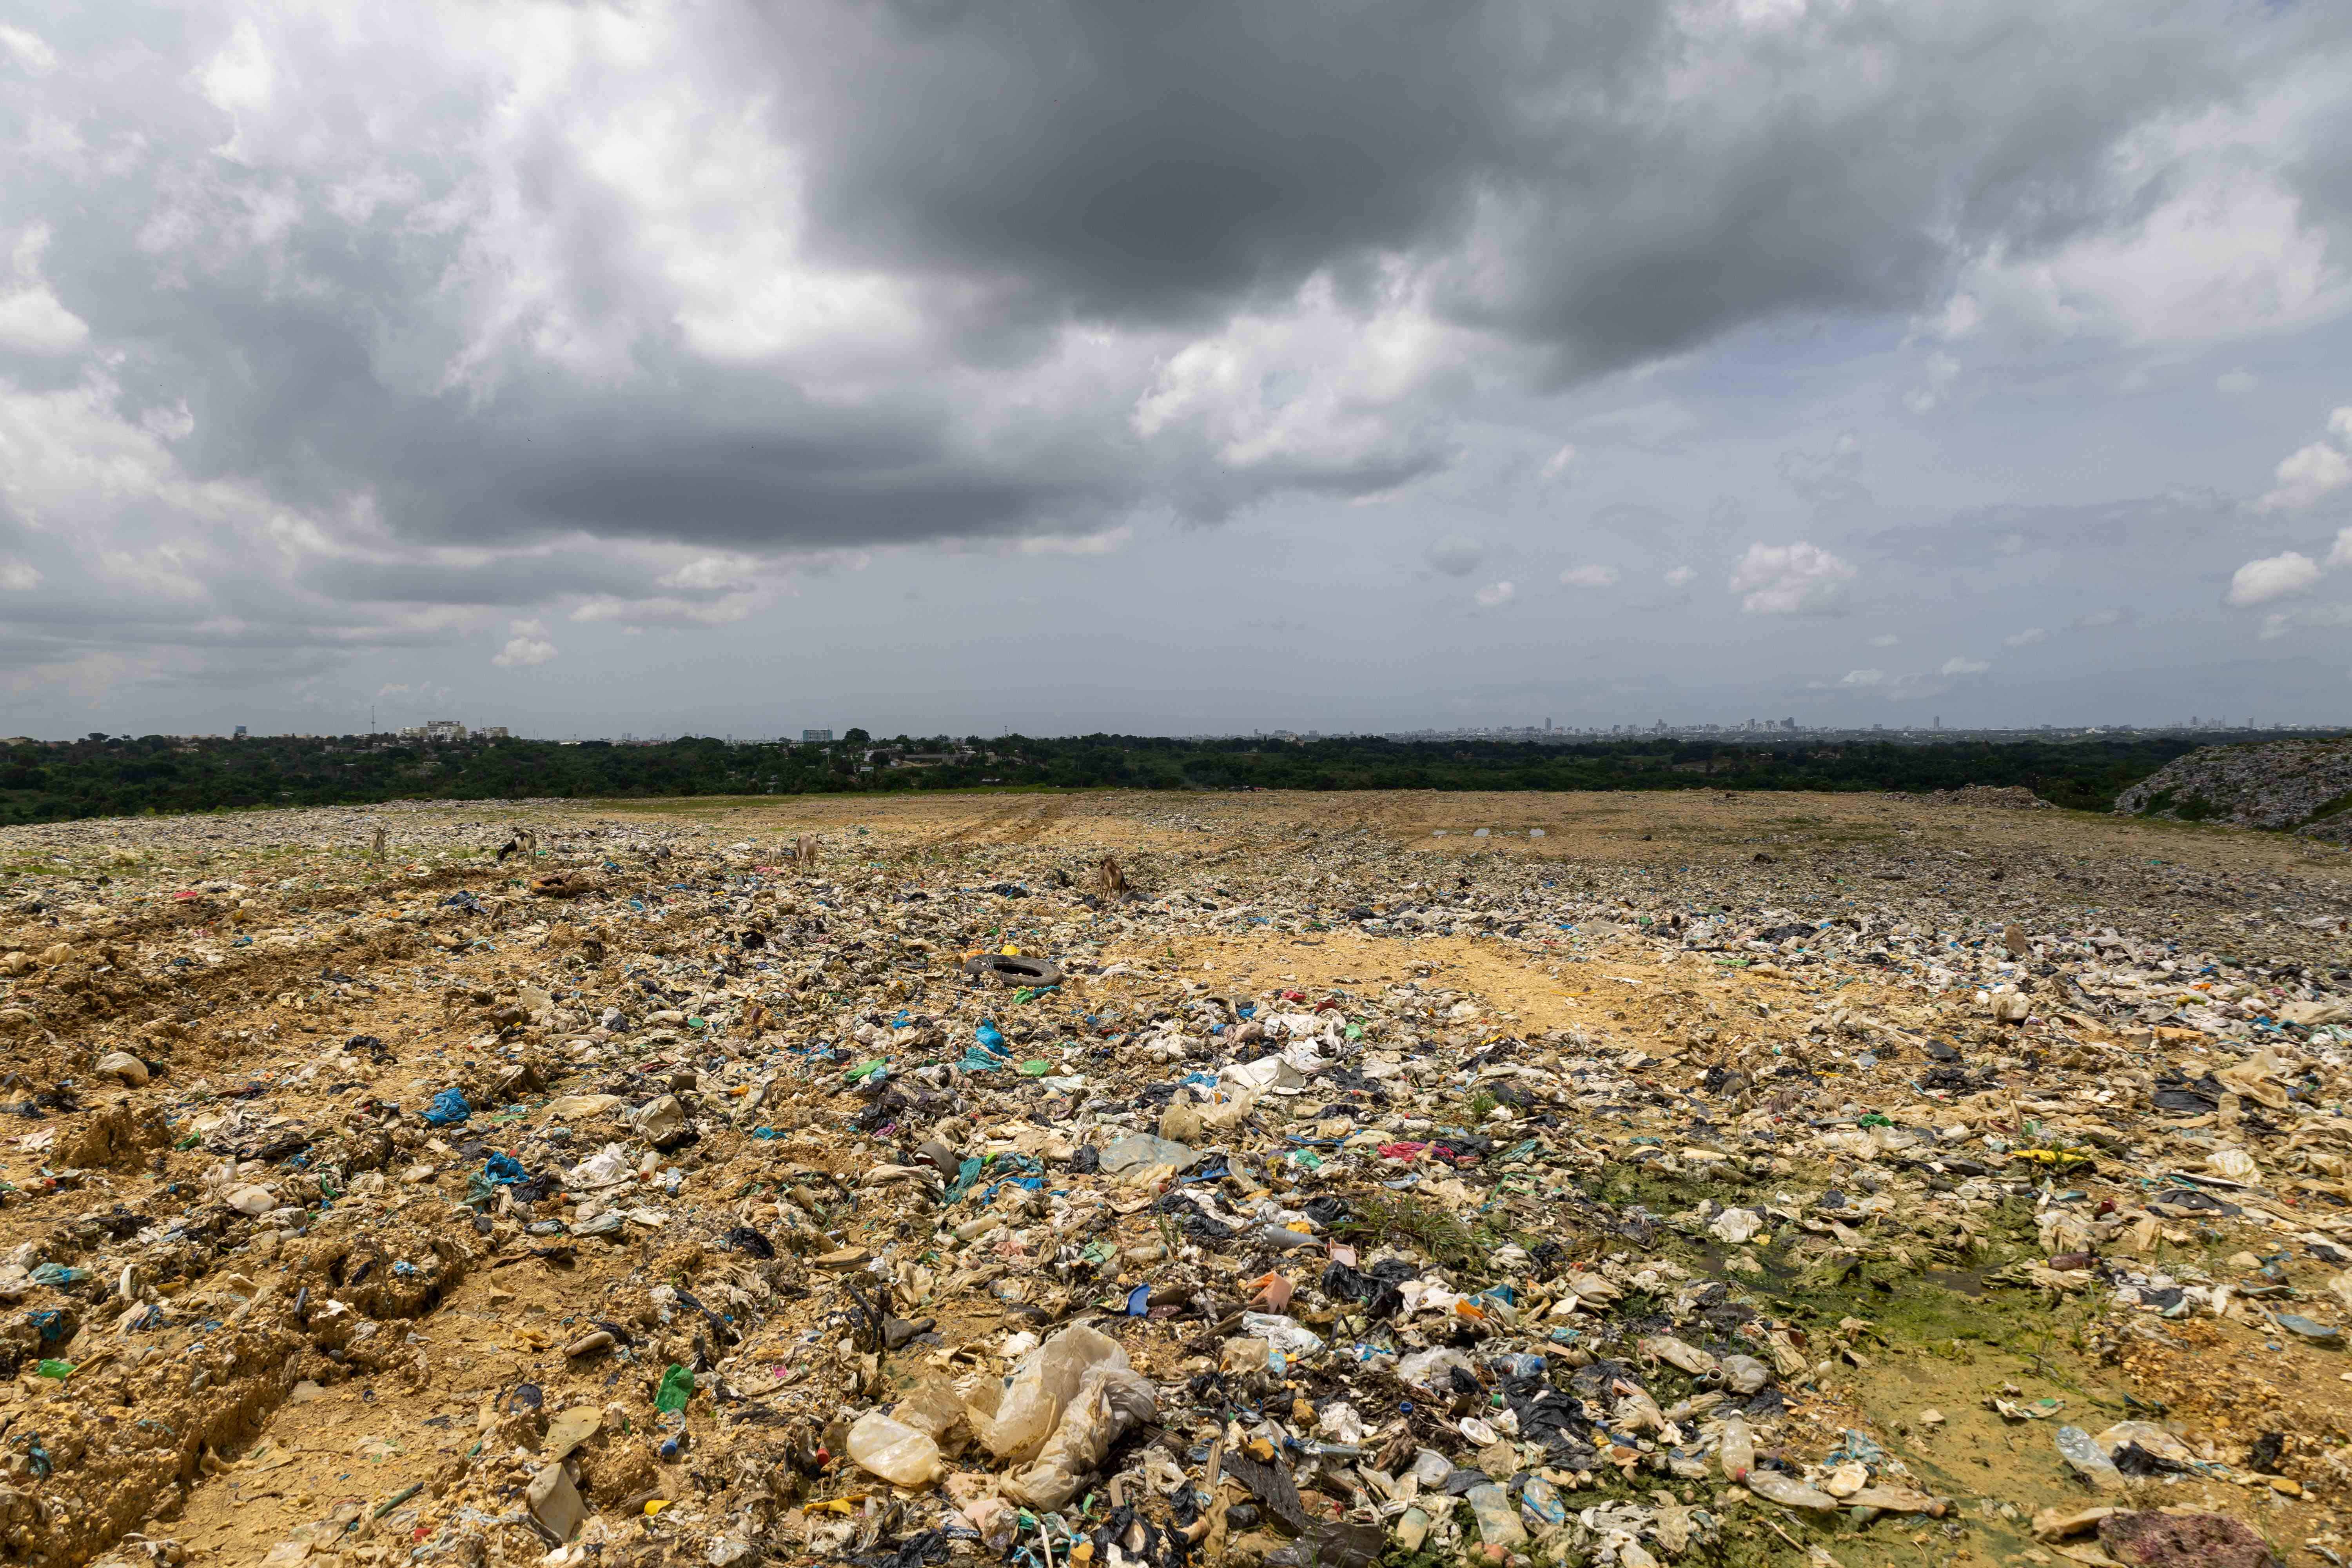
(1969, 1282)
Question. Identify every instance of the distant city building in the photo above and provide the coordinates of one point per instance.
(238, 733)
(816, 737)
(493, 733)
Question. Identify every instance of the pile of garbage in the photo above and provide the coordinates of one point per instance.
(2304, 785)
(2012, 797)
(559, 1188)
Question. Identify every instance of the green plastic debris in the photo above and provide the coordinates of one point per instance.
(966, 1174)
(1036, 1067)
(61, 1369)
(867, 1069)
(1875, 1120)
(676, 1388)
(693, 1023)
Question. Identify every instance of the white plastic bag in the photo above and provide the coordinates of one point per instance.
(608, 1169)
(1110, 1400)
(1028, 1410)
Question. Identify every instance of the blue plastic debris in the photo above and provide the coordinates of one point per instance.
(1139, 1301)
(505, 1170)
(992, 1037)
(447, 1107)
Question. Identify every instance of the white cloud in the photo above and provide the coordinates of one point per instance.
(1495, 594)
(2314, 473)
(1790, 579)
(528, 645)
(1590, 578)
(2026, 638)
(2234, 383)
(2307, 477)
(1557, 463)
(2229, 255)
(1322, 395)
(1940, 372)
(1454, 555)
(2342, 554)
(1102, 542)
(240, 76)
(31, 51)
(1885, 640)
(2259, 581)
(1828, 478)
(1864, 677)
(1958, 665)
(709, 572)
(1678, 575)
(17, 575)
(2099, 620)
(32, 320)
(1961, 317)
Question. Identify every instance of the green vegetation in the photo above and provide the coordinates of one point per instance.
(1435, 1232)
(120, 776)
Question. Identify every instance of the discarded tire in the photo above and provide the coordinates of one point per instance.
(1010, 971)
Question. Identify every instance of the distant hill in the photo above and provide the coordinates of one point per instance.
(2304, 787)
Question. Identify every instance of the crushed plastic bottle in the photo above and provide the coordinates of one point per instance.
(895, 1451)
(1497, 1524)
(1779, 1486)
(1737, 1454)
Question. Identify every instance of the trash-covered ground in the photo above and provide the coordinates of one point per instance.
(1180, 1180)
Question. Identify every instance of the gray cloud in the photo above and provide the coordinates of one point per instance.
(374, 332)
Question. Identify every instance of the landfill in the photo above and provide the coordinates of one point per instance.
(1169, 1179)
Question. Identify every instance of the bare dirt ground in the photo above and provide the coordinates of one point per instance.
(297, 1322)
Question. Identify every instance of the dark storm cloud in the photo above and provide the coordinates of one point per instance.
(1595, 185)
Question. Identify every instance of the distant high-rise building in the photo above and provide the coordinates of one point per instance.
(238, 733)
(816, 737)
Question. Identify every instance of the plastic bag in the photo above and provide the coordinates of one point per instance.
(449, 1106)
(1109, 1401)
(935, 1409)
(607, 1169)
(1020, 1420)
(1428, 1369)
(1285, 1334)
(894, 1450)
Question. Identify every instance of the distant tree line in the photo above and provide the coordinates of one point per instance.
(120, 776)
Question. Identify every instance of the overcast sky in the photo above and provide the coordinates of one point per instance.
(953, 365)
